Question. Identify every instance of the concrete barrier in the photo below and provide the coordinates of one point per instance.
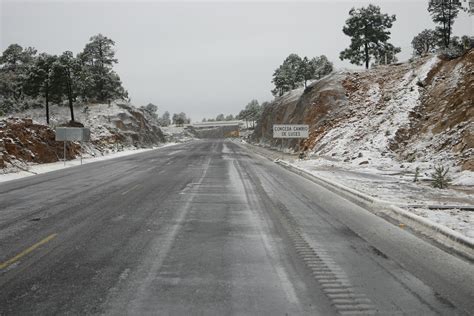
(444, 236)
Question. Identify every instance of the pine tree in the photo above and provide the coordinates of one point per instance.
(444, 12)
(98, 58)
(280, 81)
(181, 119)
(296, 71)
(151, 110)
(322, 66)
(165, 119)
(368, 29)
(39, 81)
(307, 69)
(440, 178)
(288, 76)
(252, 112)
(15, 57)
(14, 64)
(67, 77)
(425, 42)
(385, 54)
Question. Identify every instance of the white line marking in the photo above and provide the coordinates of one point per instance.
(132, 188)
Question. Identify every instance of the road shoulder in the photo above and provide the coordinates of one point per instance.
(444, 237)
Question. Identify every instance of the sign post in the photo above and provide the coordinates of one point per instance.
(78, 134)
(295, 131)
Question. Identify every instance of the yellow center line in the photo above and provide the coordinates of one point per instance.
(132, 188)
(26, 251)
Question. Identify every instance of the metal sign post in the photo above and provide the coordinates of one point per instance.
(78, 134)
(281, 148)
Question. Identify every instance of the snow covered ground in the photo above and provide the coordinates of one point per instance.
(177, 134)
(367, 134)
(100, 118)
(458, 220)
(34, 169)
(396, 186)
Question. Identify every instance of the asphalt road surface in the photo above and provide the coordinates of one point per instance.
(209, 228)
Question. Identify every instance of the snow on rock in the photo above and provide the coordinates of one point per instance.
(427, 67)
(114, 127)
(393, 118)
(376, 123)
(22, 141)
(292, 95)
(179, 134)
(455, 219)
(465, 178)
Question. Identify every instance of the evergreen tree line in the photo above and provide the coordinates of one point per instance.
(295, 72)
(179, 119)
(220, 118)
(252, 112)
(443, 13)
(429, 41)
(166, 119)
(88, 76)
(369, 30)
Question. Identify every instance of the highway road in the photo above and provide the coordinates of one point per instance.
(210, 228)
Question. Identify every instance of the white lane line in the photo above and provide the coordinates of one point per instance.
(132, 188)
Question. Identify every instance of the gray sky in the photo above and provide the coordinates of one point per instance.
(203, 58)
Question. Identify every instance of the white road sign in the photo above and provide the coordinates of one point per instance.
(290, 131)
(72, 134)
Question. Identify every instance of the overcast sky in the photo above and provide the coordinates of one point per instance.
(203, 58)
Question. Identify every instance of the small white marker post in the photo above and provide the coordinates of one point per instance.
(64, 152)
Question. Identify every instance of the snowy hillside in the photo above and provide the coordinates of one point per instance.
(26, 138)
(391, 119)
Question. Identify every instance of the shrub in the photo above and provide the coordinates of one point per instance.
(417, 174)
(440, 178)
(450, 53)
(7, 105)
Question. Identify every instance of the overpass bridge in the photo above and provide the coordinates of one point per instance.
(220, 129)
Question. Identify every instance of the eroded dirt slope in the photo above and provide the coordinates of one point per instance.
(26, 138)
(418, 113)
